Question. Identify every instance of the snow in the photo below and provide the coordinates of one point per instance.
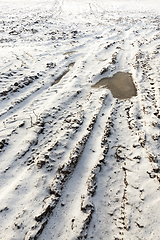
(75, 162)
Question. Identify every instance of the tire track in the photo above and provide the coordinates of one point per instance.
(79, 179)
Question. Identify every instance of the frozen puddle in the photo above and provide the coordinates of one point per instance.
(121, 85)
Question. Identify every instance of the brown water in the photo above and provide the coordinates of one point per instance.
(121, 85)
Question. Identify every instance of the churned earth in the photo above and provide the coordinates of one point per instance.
(79, 120)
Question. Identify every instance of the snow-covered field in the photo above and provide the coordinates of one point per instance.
(75, 162)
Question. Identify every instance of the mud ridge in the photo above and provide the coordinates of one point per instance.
(87, 205)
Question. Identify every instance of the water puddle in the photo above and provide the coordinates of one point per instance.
(121, 85)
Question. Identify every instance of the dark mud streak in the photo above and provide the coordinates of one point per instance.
(121, 85)
(58, 79)
(70, 52)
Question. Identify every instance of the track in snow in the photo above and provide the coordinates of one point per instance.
(75, 162)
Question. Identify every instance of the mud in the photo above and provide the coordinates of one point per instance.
(121, 85)
(70, 52)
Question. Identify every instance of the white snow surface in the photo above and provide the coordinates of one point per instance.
(75, 162)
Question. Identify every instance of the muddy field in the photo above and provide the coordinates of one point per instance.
(79, 159)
